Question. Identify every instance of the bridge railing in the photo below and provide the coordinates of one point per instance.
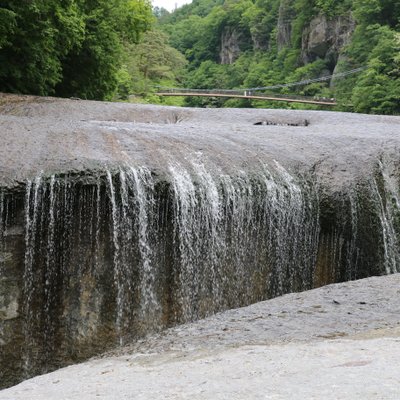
(243, 92)
(200, 91)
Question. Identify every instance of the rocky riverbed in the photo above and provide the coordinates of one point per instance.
(61, 135)
(341, 341)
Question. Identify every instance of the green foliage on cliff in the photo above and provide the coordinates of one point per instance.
(253, 43)
(378, 88)
(67, 47)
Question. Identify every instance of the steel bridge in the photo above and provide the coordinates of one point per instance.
(254, 93)
(246, 94)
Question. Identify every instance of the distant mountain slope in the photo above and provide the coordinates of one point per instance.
(245, 43)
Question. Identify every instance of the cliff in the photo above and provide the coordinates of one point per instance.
(322, 37)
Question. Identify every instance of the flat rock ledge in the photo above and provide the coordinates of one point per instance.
(337, 342)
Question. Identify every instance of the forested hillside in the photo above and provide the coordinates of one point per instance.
(258, 43)
(68, 47)
(120, 49)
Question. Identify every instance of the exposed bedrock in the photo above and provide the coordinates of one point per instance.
(325, 38)
(120, 220)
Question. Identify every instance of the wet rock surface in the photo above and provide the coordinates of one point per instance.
(363, 308)
(61, 135)
(339, 341)
(119, 220)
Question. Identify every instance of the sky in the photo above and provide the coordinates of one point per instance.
(169, 4)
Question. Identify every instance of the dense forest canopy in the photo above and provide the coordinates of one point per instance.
(120, 49)
(67, 47)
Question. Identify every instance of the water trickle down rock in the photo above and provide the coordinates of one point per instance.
(360, 229)
(11, 284)
(131, 193)
(63, 278)
(241, 239)
(114, 256)
(388, 204)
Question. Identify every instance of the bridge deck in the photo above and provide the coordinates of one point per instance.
(287, 99)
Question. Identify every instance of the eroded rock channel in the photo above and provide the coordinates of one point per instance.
(120, 220)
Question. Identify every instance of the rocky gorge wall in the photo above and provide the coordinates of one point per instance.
(321, 37)
(120, 220)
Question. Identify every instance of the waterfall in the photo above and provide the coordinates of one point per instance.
(2, 230)
(119, 280)
(235, 240)
(241, 239)
(33, 199)
(388, 206)
(194, 217)
(362, 234)
(112, 256)
(143, 191)
(133, 209)
(352, 259)
(3, 250)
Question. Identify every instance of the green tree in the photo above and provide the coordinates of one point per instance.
(156, 59)
(67, 47)
(7, 26)
(92, 71)
(378, 88)
(38, 35)
(150, 62)
(384, 12)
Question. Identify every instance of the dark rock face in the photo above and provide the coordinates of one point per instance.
(322, 37)
(230, 46)
(284, 28)
(325, 38)
(119, 220)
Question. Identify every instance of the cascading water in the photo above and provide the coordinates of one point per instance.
(2, 230)
(114, 256)
(389, 213)
(3, 250)
(362, 233)
(196, 215)
(133, 214)
(143, 192)
(235, 240)
(236, 237)
(60, 250)
(33, 199)
(352, 259)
